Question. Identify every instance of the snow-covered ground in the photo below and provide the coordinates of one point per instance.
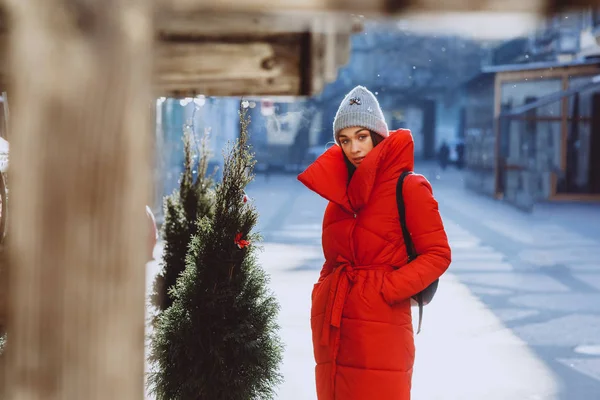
(516, 317)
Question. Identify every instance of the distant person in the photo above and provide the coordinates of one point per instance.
(267, 172)
(444, 155)
(361, 322)
(460, 155)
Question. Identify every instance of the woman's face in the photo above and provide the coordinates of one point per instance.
(356, 143)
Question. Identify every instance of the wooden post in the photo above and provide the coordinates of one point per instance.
(80, 91)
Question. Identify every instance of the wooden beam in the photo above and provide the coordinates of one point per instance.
(297, 64)
(254, 24)
(557, 72)
(251, 54)
(370, 8)
(80, 165)
(229, 69)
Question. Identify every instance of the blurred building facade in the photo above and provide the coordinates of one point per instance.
(525, 109)
(532, 131)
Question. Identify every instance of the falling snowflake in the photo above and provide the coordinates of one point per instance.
(369, 109)
(200, 100)
(245, 103)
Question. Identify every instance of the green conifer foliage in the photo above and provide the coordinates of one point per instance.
(218, 340)
(182, 209)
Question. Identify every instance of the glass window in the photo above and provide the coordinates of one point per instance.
(548, 145)
(576, 177)
(584, 107)
(519, 93)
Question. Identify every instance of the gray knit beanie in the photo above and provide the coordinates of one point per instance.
(360, 108)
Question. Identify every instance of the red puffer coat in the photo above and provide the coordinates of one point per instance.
(361, 317)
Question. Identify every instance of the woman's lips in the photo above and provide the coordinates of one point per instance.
(358, 160)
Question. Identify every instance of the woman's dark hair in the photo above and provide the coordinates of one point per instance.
(376, 139)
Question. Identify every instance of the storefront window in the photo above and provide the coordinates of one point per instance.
(585, 104)
(548, 144)
(580, 146)
(515, 94)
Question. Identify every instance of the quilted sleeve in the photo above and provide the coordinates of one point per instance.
(429, 237)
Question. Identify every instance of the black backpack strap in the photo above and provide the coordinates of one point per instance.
(410, 247)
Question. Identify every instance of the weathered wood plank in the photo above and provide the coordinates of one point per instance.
(173, 23)
(225, 54)
(228, 69)
(254, 25)
(373, 7)
(80, 163)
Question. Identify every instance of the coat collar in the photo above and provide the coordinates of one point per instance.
(328, 175)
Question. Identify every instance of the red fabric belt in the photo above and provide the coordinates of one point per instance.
(343, 276)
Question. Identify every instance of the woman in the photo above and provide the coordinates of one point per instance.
(361, 316)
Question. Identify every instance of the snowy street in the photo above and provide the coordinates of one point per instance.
(516, 317)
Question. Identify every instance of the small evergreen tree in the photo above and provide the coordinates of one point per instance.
(182, 209)
(218, 341)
